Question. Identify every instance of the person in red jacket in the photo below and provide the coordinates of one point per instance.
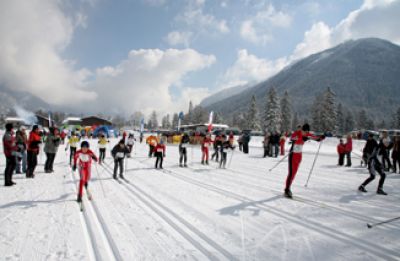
(10, 149)
(205, 147)
(341, 149)
(349, 148)
(33, 150)
(159, 153)
(298, 138)
(85, 157)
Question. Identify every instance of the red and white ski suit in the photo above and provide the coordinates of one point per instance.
(295, 154)
(205, 149)
(84, 167)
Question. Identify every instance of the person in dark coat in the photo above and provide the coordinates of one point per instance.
(119, 152)
(386, 145)
(246, 139)
(274, 140)
(183, 150)
(368, 148)
(50, 148)
(10, 149)
(396, 154)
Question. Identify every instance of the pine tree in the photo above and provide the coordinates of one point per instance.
(286, 112)
(189, 116)
(340, 120)
(295, 121)
(218, 118)
(348, 122)
(272, 116)
(362, 120)
(328, 115)
(175, 119)
(316, 111)
(252, 116)
(397, 119)
(153, 122)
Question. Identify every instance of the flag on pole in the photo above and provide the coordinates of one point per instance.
(210, 119)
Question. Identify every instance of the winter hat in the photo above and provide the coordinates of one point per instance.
(121, 142)
(85, 144)
(306, 127)
(9, 126)
(35, 127)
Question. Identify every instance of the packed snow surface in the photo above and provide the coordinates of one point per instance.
(201, 212)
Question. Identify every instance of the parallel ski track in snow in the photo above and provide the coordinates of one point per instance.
(95, 228)
(377, 250)
(197, 238)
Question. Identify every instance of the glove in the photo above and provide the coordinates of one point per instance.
(305, 138)
(74, 168)
(321, 138)
(94, 158)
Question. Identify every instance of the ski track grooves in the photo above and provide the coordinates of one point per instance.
(168, 215)
(377, 250)
(97, 230)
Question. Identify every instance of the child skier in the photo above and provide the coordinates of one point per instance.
(118, 152)
(298, 138)
(152, 142)
(224, 147)
(183, 150)
(375, 164)
(205, 144)
(129, 143)
(341, 149)
(102, 144)
(85, 157)
(159, 153)
(73, 143)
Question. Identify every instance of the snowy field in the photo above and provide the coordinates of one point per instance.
(200, 212)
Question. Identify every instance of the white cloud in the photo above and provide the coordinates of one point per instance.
(32, 36)
(258, 29)
(142, 81)
(250, 68)
(195, 17)
(178, 38)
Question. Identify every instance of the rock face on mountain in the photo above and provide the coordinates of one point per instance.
(364, 74)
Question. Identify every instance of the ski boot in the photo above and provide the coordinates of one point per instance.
(79, 199)
(362, 189)
(121, 176)
(288, 193)
(381, 192)
(207, 162)
(180, 165)
(115, 176)
(202, 162)
(185, 165)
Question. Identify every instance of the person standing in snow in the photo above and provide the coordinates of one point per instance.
(159, 153)
(205, 144)
(274, 141)
(396, 154)
(386, 146)
(348, 150)
(368, 148)
(282, 142)
(21, 140)
(216, 144)
(152, 142)
(265, 142)
(298, 138)
(33, 150)
(50, 148)
(183, 150)
(10, 149)
(84, 158)
(102, 145)
(375, 165)
(341, 149)
(224, 148)
(246, 139)
(73, 144)
(129, 143)
(119, 152)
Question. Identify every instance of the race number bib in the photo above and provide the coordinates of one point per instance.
(120, 155)
(84, 157)
(160, 150)
(297, 148)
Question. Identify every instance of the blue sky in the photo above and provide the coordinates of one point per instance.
(129, 55)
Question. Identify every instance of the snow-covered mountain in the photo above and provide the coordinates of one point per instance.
(364, 74)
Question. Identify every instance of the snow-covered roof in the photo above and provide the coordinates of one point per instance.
(14, 119)
(71, 119)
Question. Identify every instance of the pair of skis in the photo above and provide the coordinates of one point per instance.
(90, 198)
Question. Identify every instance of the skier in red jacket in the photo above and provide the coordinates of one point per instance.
(341, 149)
(298, 138)
(205, 145)
(85, 156)
(159, 153)
(33, 150)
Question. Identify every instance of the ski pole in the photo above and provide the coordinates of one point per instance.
(101, 183)
(383, 222)
(279, 162)
(312, 167)
(230, 160)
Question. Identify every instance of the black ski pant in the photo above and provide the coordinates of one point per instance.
(159, 160)
(348, 158)
(373, 169)
(119, 163)
(341, 159)
(183, 156)
(11, 164)
(72, 151)
(102, 154)
(266, 151)
(151, 149)
(215, 154)
(223, 159)
(48, 165)
(245, 147)
(386, 160)
(32, 162)
(396, 162)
